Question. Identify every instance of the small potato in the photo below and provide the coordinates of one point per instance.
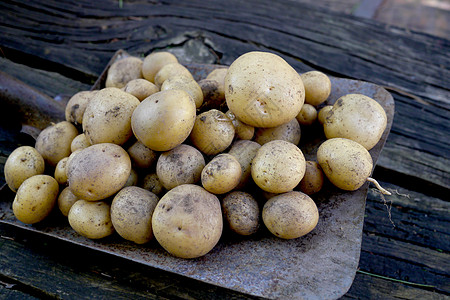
(213, 95)
(307, 115)
(65, 201)
(278, 166)
(154, 62)
(61, 171)
(107, 118)
(152, 183)
(22, 163)
(312, 182)
(133, 179)
(317, 87)
(35, 199)
(243, 131)
(187, 221)
(221, 174)
(91, 219)
(213, 132)
(187, 84)
(164, 120)
(323, 112)
(171, 70)
(79, 142)
(131, 214)
(53, 143)
(98, 171)
(181, 165)
(218, 75)
(140, 88)
(289, 132)
(142, 156)
(123, 71)
(241, 211)
(290, 215)
(244, 151)
(358, 118)
(77, 105)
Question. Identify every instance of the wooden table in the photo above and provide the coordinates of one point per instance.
(62, 47)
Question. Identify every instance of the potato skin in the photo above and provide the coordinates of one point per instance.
(241, 211)
(154, 62)
(65, 201)
(79, 142)
(187, 84)
(142, 156)
(123, 71)
(242, 130)
(22, 163)
(313, 180)
(221, 174)
(323, 112)
(91, 219)
(171, 70)
(290, 215)
(77, 105)
(35, 199)
(187, 221)
(289, 132)
(317, 87)
(61, 171)
(131, 214)
(140, 88)
(244, 151)
(307, 115)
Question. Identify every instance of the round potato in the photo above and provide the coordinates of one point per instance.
(65, 201)
(323, 112)
(263, 90)
(213, 132)
(133, 179)
(181, 165)
(243, 131)
(187, 84)
(154, 62)
(241, 212)
(98, 171)
(61, 171)
(346, 163)
(218, 75)
(358, 118)
(152, 183)
(123, 71)
(79, 142)
(107, 118)
(244, 151)
(290, 215)
(164, 120)
(187, 221)
(307, 115)
(22, 163)
(289, 132)
(171, 70)
(35, 199)
(91, 219)
(317, 87)
(77, 105)
(53, 143)
(221, 174)
(140, 88)
(278, 166)
(142, 156)
(131, 214)
(313, 180)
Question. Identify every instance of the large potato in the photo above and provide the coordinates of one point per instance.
(107, 118)
(221, 174)
(98, 171)
(358, 118)
(187, 221)
(22, 163)
(123, 71)
(289, 132)
(91, 219)
(35, 199)
(263, 90)
(244, 151)
(164, 120)
(154, 62)
(241, 211)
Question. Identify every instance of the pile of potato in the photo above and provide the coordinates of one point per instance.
(157, 154)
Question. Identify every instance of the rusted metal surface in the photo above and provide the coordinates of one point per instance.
(320, 265)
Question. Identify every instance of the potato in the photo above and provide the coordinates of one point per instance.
(241, 212)
(263, 90)
(142, 156)
(77, 105)
(154, 62)
(317, 87)
(171, 70)
(213, 132)
(98, 171)
(242, 130)
(307, 115)
(187, 84)
(290, 215)
(140, 88)
(289, 132)
(91, 219)
(65, 201)
(164, 120)
(313, 180)
(61, 171)
(35, 199)
(221, 174)
(152, 183)
(346, 163)
(187, 221)
(278, 166)
(181, 165)
(244, 151)
(79, 142)
(107, 118)
(122, 71)
(358, 118)
(218, 75)
(323, 112)
(53, 143)
(22, 163)
(133, 179)
(131, 214)
(213, 94)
